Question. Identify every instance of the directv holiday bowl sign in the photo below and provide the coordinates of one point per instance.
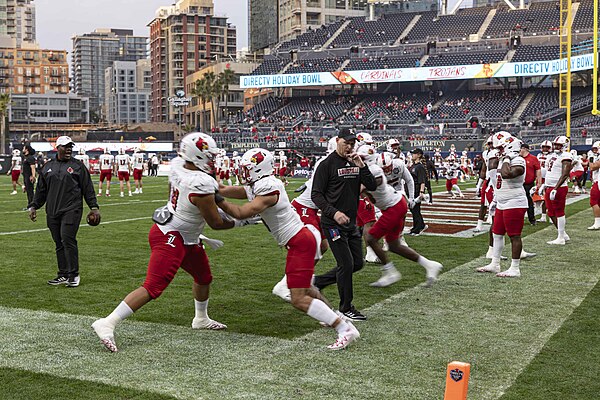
(180, 100)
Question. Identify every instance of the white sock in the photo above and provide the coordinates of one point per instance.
(424, 262)
(201, 307)
(106, 191)
(479, 224)
(597, 221)
(515, 263)
(543, 217)
(141, 191)
(498, 247)
(119, 314)
(455, 187)
(561, 222)
(319, 311)
(387, 267)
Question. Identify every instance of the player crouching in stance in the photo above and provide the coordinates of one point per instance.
(511, 206)
(393, 206)
(268, 198)
(174, 238)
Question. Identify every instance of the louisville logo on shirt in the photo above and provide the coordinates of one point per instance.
(70, 170)
(348, 172)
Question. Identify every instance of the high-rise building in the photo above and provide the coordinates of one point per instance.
(184, 37)
(17, 23)
(96, 51)
(296, 16)
(127, 97)
(33, 70)
(263, 29)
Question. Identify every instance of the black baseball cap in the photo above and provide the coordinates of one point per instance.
(417, 151)
(346, 134)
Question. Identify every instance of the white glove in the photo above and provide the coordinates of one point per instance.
(553, 194)
(424, 197)
(492, 207)
(248, 221)
(411, 203)
(212, 243)
(541, 190)
(533, 191)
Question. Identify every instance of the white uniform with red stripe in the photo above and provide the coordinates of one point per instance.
(487, 156)
(543, 158)
(451, 170)
(577, 165)
(138, 161)
(106, 162)
(281, 219)
(399, 171)
(554, 165)
(510, 193)
(123, 162)
(17, 160)
(385, 196)
(305, 199)
(186, 184)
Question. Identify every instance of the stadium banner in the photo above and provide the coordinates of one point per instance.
(443, 145)
(475, 71)
(113, 147)
(301, 172)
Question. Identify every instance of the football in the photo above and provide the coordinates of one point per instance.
(93, 219)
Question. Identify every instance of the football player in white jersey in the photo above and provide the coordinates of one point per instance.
(511, 206)
(107, 162)
(15, 170)
(174, 238)
(483, 187)
(268, 198)
(394, 207)
(393, 146)
(84, 158)
(559, 164)
(595, 191)
(594, 153)
(452, 168)
(138, 170)
(546, 148)
(283, 167)
(235, 164)
(576, 174)
(123, 170)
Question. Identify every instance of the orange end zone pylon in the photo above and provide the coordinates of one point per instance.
(457, 381)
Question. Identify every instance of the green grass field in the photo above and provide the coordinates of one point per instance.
(536, 337)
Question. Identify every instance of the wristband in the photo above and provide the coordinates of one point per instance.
(218, 198)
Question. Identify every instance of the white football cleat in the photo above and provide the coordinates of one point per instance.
(510, 273)
(558, 241)
(489, 255)
(105, 332)
(567, 237)
(122, 195)
(525, 255)
(13, 192)
(345, 338)
(576, 190)
(493, 268)
(386, 247)
(403, 241)
(207, 323)
(371, 257)
(388, 277)
(281, 290)
(594, 228)
(433, 270)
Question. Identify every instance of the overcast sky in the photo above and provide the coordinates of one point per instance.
(58, 20)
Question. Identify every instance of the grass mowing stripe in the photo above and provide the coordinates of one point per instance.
(496, 325)
(83, 225)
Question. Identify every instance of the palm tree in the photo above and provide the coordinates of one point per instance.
(227, 78)
(212, 89)
(201, 90)
(4, 103)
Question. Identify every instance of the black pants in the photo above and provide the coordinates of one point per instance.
(530, 210)
(28, 189)
(347, 250)
(64, 233)
(418, 222)
(584, 178)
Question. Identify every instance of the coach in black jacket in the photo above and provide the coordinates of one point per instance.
(62, 184)
(336, 187)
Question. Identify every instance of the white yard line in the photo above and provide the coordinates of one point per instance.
(497, 325)
(125, 203)
(82, 225)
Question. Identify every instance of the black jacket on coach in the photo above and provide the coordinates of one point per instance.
(62, 185)
(336, 187)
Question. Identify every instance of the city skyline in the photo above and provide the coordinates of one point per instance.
(58, 21)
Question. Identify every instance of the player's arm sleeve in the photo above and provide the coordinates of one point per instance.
(41, 192)
(87, 188)
(320, 183)
(367, 179)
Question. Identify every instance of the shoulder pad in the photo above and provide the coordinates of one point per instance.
(267, 186)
